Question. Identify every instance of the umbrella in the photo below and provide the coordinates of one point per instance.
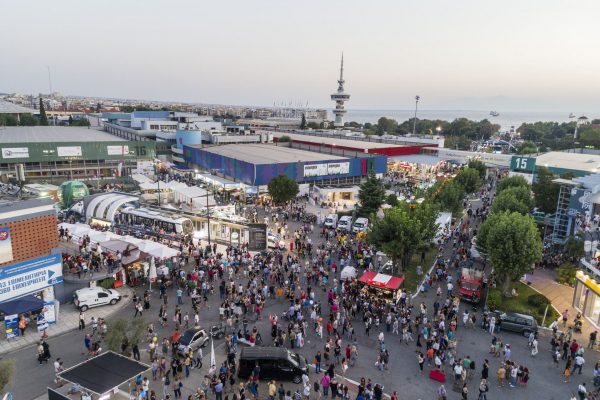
(152, 275)
(213, 361)
(99, 237)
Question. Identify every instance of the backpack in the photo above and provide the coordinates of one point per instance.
(473, 365)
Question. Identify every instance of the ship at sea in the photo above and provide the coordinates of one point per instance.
(494, 113)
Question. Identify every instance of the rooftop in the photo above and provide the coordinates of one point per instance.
(6, 107)
(40, 134)
(359, 144)
(267, 154)
(575, 161)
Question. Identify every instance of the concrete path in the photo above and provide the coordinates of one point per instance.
(68, 320)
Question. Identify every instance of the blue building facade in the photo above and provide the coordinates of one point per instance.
(301, 172)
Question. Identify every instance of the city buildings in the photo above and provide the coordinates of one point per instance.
(257, 164)
(54, 154)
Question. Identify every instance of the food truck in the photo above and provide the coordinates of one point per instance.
(381, 285)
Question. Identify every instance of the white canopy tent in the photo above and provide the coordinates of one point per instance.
(163, 252)
(147, 245)
(193, 196)
(100, 236)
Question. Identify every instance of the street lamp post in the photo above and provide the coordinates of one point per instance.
(417, 98)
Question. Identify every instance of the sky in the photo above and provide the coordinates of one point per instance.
(465, 54)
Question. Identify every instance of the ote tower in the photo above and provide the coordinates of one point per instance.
(340, 97)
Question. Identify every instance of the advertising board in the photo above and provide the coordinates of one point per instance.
(315, 170)
(15, 152)
(117, 150)
(30, 276)
(257, 237)
(69, 151)
(338, 168)
(6, 253)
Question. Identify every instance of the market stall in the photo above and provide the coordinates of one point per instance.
(381, 286)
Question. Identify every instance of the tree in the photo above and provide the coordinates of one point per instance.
(545, 191)
(590, 138)
(70, 120)
(512, 243)
(7, 369)
(28, 120)
(8, 120)
(514, 199)
(403, 231)
(479, 166)
(303, 122)
(313, 125)
(386, 125)
(392, 200)
(511, 181)
(370, 195)
(469, 179)
(282, 189)
(284, 139)
(527, 147)
(43, 117)
(574, 247)
(447, 194)
(123, 334)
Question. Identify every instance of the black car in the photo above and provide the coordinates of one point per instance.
(274, 362)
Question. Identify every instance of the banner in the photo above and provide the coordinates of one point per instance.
(315, 170)
(71, 151)
(11, 326)
(6, 253)
(117, 150)
(338, 168)
(15, 152)
(30, 276)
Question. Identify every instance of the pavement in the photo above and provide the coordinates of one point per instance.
(68, 320)
(403, 374)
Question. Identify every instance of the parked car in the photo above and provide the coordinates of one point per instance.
(331, 221)
(515, 322)
(360, 225)
(94, 297)
(276, 363)
(345, 223)
(192, 339)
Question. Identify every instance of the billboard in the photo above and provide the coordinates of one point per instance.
(15, 152)
(117, 150)
(30, 276)
(6, 253)
(338, 168)
(69, 151)
(257, 237)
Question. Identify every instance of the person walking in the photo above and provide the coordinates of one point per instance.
(421, 361)
(579, 361)
(81, 321)
(593, 337)
(483, 389)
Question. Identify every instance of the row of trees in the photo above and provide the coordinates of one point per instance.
(509, 237)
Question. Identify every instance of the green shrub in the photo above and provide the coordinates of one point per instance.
(538, 300)
(494, 299)
(565, 274)
(107, 283)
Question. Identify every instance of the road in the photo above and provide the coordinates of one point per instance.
(403, 375)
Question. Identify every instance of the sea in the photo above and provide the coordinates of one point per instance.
(507, 120)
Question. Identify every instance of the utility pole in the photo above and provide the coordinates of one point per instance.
(417, 98)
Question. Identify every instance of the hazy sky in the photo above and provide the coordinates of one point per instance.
(479, 54)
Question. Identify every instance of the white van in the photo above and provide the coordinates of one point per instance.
(331, 221)
(360, 225)
(275, 242)
(345, 223)
(95, 296)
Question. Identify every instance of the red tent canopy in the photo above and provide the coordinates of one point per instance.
(381, 280)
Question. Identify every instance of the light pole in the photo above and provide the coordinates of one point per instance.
(417, 98)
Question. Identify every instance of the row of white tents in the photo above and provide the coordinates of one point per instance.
(150, 247)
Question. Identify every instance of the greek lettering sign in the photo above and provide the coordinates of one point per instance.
(338, 168)
(6, 253)
(30, 276)
(315, 170)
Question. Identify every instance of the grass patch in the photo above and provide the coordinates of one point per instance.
(520, 304)
(411, 279)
